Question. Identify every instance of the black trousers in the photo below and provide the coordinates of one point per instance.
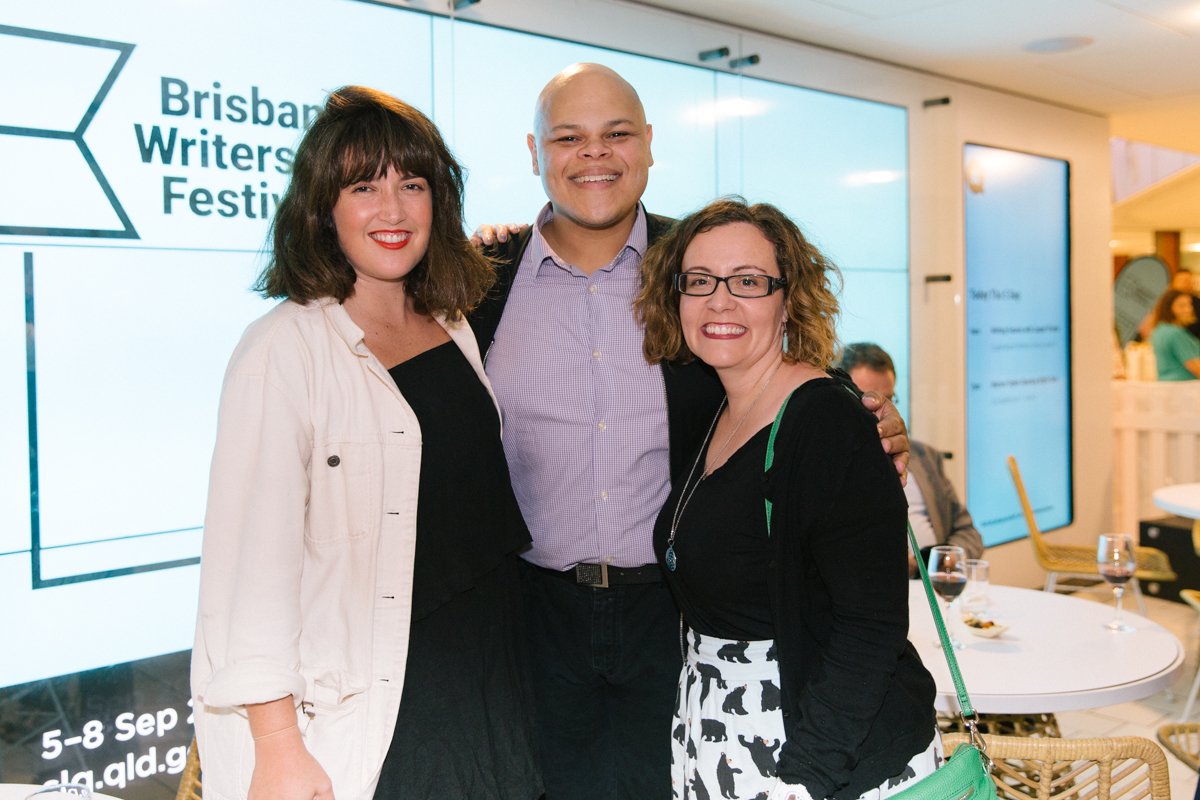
(605, 664)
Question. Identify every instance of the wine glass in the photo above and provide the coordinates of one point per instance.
(1116, 561)
(975, 599)
(948, 575)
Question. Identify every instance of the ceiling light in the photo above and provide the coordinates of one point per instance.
(1058, 44)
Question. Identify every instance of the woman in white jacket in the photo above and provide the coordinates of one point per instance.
(359, 632)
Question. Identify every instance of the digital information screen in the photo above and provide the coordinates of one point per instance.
(142, 154)
(1018, 322)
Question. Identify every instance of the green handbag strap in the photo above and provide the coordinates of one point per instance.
(964, 701)
(771, 453)
(966, 710)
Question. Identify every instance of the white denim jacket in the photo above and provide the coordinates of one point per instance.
(307, 562)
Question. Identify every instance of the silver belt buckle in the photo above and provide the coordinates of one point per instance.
(595, 575)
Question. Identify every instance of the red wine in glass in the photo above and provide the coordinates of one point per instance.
(1116, 574)
(948, 577)
(1116, 561)
(948, 585)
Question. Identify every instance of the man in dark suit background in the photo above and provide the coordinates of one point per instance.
(934, 510)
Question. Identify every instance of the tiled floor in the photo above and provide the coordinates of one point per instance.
(1144, 717)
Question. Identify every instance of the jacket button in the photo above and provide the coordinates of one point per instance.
(333, 461)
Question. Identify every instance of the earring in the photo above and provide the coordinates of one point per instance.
(785, 338)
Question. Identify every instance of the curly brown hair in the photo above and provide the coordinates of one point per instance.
(359, 135)
(1162, 309)
(810, 297)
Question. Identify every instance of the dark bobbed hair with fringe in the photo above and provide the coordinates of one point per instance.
(359, 135)
(810, 297)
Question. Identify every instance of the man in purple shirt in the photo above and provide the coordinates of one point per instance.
(593, 436)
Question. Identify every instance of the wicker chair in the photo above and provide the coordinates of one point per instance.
(1125, 768)
(189, 781)
(1192, 598)
(1183, 741)
(1004, 724)
(1076, 559)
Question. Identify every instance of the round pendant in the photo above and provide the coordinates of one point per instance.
(671, 562)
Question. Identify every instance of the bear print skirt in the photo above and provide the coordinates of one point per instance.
(728, 727)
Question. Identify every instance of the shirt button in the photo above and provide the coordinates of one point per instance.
(592, 288)
(603, 495)
(602, 426)
(333, 461)
(595, 354)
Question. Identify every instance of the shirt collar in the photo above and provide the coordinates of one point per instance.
(637, 242)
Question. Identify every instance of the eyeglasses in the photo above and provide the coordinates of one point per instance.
(702, 284)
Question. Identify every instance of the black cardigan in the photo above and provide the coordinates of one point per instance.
(857, 701)
(693, 391)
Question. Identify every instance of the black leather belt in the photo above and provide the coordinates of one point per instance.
(601, 576)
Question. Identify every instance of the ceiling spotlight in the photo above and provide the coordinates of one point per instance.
(459, 5)
(713, 55)
(744, 61)
(1058, 44)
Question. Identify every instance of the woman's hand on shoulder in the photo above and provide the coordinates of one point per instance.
(285, 770)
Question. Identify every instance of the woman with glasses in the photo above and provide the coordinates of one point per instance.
(798, 678)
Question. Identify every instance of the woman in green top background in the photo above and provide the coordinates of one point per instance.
(1176, 351)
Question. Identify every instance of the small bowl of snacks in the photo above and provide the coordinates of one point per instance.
(982, 626)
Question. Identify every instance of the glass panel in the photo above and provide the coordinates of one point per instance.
(188, 138)
(875, 309)
(489, 131)
(1018, 339)
(837, 165)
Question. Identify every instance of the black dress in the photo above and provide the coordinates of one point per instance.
(724, 555)
(465, 727)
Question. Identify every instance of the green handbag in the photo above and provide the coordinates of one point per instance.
(967, 774)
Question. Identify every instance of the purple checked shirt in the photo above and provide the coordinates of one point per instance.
(585, 417)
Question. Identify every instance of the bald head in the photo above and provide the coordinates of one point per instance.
(591, 147)
(586, 80)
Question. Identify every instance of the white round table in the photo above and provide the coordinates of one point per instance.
(1055, 656)
(19, 791)
(1182, 499)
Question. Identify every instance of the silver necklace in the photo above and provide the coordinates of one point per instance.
(685, 496)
